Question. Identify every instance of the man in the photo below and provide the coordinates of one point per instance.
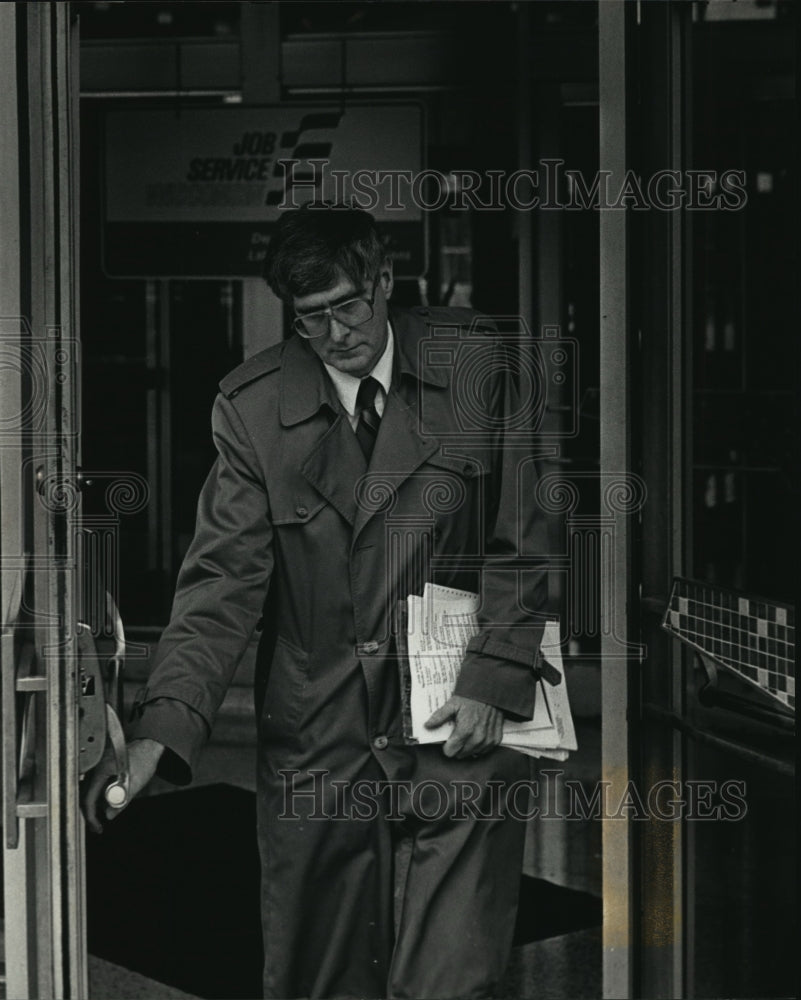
(373, 451)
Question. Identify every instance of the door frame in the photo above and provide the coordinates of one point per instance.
(43, 859)
(645, 313)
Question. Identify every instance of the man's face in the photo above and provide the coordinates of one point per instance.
(353, 350)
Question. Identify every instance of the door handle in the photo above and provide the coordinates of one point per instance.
(117, 791)
(22, 685)
(102, 705)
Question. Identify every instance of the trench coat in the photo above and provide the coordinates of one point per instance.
(298, 538)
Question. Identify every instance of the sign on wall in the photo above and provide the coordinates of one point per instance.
(196, 192)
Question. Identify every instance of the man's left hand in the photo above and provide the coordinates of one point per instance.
(477, 727)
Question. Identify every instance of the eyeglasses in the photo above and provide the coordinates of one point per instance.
(352, 312)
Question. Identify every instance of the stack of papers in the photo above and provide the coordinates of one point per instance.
(438, 627)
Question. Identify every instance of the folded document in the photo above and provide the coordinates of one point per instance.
(437, 629)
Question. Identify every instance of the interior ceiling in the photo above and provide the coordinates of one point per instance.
(171, 20)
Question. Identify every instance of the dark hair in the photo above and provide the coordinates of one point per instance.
(313, 246)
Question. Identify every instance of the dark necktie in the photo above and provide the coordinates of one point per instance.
(367, 427)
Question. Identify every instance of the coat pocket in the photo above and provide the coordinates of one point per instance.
(284, 696)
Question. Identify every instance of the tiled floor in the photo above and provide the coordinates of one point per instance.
(107, 981)
(567, 967)
(561, 967)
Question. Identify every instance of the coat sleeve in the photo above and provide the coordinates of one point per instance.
(182, 732)
(500, 666)
(219, 597)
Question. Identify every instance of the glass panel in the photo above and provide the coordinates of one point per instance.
(741, 905)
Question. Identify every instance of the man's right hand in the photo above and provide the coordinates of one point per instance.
(143, 759)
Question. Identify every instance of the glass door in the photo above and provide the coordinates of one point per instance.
(742, 334)
(697, 344)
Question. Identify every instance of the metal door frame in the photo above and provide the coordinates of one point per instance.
(614, 74)
(44, 897)
(643, 53)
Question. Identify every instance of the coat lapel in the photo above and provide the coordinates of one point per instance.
(403, 444)
(400, 448)
(335, 465)
(334, 462)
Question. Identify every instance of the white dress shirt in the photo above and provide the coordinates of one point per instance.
(347, 386)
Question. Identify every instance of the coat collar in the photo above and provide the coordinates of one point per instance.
(411, 329)
(305, 386)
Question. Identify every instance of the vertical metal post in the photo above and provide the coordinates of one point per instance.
(18, 958)
(663, 442)
(262, 317)
(262, 312)
(43, 865)
(159, 431)
(163, 348)
(682, 293)
(680, 28)
(546, 247)
(549, 233)
(525, 242)
(260, 41)
(66, 429)
(616, 334)
(152, 422)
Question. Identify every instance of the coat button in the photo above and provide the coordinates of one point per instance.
(370, 647)
(302, 511)
(380, 742)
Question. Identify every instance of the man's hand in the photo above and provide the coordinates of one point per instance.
(143, 758)
(477, 727)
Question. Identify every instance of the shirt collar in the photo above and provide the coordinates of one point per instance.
(305, 386)
(347, 386)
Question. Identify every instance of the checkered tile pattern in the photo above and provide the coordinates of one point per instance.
(752, 637)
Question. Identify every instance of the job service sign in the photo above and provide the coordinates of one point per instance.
(196, 192)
